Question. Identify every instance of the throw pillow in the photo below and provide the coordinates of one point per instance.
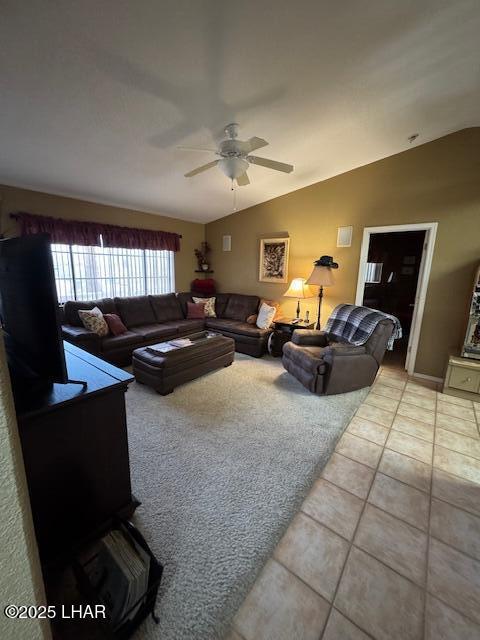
(116, 326)
(252, 319)
(273, 303)
(265, 316)
(209, 305)
(93, 320)
(195, 310)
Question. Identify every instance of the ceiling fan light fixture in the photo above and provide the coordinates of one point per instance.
(234, 158)
(233, 168)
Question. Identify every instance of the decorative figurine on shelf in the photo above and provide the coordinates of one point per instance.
(476, 334)
(202, 256)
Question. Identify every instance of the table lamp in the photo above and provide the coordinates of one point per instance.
(299, 289)
(322, 276)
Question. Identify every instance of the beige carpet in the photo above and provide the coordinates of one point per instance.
(221, 466)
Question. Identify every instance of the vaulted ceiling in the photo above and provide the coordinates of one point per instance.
(95, 97)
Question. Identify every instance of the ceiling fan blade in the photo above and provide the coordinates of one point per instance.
(243, 180)
(271, 164)
(204, 167)
(255, 143)
(196, 149)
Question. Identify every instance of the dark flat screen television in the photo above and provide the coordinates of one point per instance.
(29, 311)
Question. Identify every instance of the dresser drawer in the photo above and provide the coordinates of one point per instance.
(464, 379)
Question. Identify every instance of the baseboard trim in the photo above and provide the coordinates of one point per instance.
(423, 376)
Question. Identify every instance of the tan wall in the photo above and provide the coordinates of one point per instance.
(20, 575)
(438, 181)
(13, 199)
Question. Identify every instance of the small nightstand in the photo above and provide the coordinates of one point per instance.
(282, 333)
(463, 378)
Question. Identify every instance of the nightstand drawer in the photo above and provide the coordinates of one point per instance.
(464, 379)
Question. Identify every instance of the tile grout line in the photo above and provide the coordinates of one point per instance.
(292, 573)
(427, 559)
(455, 475)
(450, 546)
(383, 447)
(411, 486)
(423, 440)
(454, 608)
(350, 542)
(365, 502)
(425, 531)
(427, 492)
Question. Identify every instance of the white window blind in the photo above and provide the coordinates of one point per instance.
(88, 273)
(373, 274)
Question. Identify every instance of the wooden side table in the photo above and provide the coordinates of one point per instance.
(282, 332)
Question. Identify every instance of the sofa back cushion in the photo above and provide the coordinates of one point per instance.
(221, 301)
(183, 298)
(239, 307)
(72, 307)
(135, 311)
(166, 307)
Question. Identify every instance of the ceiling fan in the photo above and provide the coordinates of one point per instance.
(235, 157)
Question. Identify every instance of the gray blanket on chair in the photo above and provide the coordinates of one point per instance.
(356, 324)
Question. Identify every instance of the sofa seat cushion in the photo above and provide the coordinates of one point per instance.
(220, 323)
(189, 326)
(135, 311)
(166, 307)
(71, 331)
(239, 307)
(152, 331)
(307, 358)
(238, 328)
(81, 337)
(128, 339)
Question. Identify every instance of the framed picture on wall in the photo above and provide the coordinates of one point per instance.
(274, 260)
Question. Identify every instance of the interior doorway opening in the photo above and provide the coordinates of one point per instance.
(393, 277)
(393, 267)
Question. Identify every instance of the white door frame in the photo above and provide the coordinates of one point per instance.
(430, 229)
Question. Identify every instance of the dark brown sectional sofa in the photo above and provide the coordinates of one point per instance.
(151, 319)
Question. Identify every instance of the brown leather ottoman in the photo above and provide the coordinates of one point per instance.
(165, 371)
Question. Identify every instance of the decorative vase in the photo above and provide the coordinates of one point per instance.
(205, 267)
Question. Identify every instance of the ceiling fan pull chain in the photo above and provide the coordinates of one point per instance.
(234, 196)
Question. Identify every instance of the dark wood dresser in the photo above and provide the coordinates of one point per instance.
(75, 450)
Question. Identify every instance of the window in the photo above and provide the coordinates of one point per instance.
(373, 273)
(88, 273)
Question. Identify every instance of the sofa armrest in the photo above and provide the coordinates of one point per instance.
(310, 338)
(345, 349)
(82, 337)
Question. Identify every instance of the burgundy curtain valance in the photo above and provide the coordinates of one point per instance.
(128, 238)
(88, 233)
(60, 231)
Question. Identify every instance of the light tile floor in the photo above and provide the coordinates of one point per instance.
(387, 543)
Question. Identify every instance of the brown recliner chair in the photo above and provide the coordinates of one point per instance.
(326, 365)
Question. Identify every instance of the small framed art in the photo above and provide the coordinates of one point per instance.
(274, 260)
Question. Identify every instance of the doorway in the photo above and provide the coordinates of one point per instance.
(393, 277)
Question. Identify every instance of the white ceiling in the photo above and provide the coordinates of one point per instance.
(95, 96)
